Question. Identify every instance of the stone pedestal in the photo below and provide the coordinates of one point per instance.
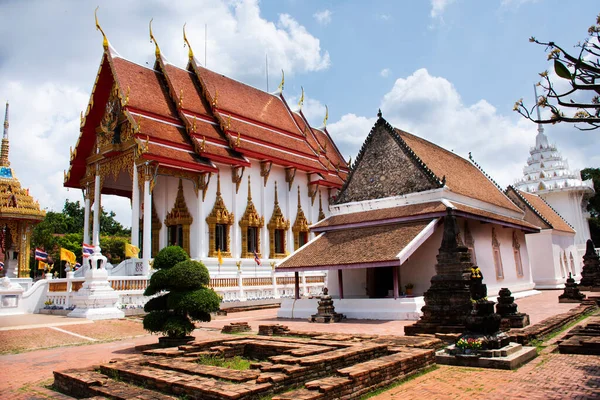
(448, 300)
(507, 308)
(325, 310)
(571, 293)
(96, 299)
(590, 274)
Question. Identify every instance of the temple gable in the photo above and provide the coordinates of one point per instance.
(381, 172)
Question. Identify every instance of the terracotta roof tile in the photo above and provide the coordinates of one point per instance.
(184, 80)
(146, 91)
(493, 216)
(546, 212)
(382, 214)
(162, 153)
(162, 130)
(357, 246)
(284, 158)
(462, 177)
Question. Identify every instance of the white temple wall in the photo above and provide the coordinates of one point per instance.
(547, 249)
(568, 205)
(420, 266)
(354, 280)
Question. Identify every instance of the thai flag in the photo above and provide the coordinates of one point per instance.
(1, 265)
(87, 250)
(256, 259)
(77, 266)
(40, 255)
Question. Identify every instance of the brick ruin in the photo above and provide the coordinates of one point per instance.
(313, 365)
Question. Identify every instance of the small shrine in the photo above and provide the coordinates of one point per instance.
(507, 308)
(571, 293)
(19, 212)
(326, 311)
(590, 274)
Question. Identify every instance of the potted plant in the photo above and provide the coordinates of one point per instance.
(183, 296)
(409, 288)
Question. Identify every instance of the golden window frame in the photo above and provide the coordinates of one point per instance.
(300, 225)
(180, 215)
(251, 218)
(277, 222)
(155, 228)
(219, 216)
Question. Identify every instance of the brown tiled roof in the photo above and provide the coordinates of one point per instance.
(356, 247)
(382, 214)
(542, 208)
(462, 177)
(495, 217)
(184, 80)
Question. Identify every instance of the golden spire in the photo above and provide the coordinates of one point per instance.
(280, 87)
(249, 189)
(98, 28)
(186, 42)
(4, 149)
(152, 39)
(301, 101)
(326, 116)
(218, 184)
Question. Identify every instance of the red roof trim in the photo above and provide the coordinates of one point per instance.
(177, 163)
(261, 142)
(158, 117)
(233, 115)
(277, 160)
(201, 117)
(156, 140)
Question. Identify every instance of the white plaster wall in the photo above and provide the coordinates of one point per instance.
(355, 283)
(420, 267)
(568, 205)
(546, 249)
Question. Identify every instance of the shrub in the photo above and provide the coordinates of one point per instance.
(185, 296)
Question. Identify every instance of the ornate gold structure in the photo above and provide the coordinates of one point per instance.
(300, 225)
(155, 229)
(237, 173)
(250, 219)
(265, 170)
(290, 174)
(219, 216)
(180, 215)
(277, 223)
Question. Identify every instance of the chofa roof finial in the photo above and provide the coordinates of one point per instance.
(104, 39)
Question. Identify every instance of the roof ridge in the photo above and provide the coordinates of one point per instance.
(535, 210)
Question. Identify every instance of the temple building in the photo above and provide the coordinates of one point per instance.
(385, 229)
(547, 175)
(210, 164)
(18, 215)
(552, 252)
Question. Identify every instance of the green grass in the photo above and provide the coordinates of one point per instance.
(539, 343)
(237, 362)
(400, 382)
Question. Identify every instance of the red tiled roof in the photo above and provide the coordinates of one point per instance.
(173, 156)
(545, 211)
(462, 177)
(356, 247)
(162, 130)
(495, 217)
(184, 80)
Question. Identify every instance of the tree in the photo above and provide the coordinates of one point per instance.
(580, 102)
(187, 296)
(593, 206)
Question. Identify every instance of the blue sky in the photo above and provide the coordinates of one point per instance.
(447, 70)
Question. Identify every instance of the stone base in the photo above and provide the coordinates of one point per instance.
(511, 356)
(517, 320)
(166, 341)
(326, 318)
(97, 313)
(427, 328)
(569, 300)
(588, 288)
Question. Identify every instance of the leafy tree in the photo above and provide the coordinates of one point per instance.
(580, 103)
(594, 203)
(187, 296)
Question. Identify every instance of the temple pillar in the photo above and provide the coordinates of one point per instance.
(135, 209)
(296, 285)
(86, 216)
(264, 231)
(341, 283)
(201, 249)
(147, 240)
(96, 226)
(395, 278)
(236, 243)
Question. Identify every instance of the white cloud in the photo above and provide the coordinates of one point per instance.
(438, 7)
(385, 72)
(323, 17)
(514, 4)
(384, 17)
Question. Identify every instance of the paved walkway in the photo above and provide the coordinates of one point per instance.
(552, 375)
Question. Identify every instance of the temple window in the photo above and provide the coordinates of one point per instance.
(219, 223)
(250, 225)
(497, 256)
(178, 222)
(300, 228)
(517, 254)
(278, 227)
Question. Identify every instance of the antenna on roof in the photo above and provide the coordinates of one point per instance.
(267, 69)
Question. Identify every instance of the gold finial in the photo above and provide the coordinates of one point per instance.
(301, 101)
(215, 101)
(350, 161)
(326, 116)
(280, 87)
(81, 118)
(152, 39)
(194, 125)
(186, 42)
(180, 104)
(98, 28)
(138, 128)
(276, 198)
(203, 145)
(218, 184)
(249, 189)
(127, 96)
(238, 141)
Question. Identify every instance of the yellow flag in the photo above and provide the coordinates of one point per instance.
(42, 265)
(131, 250)
(219, 257)
(68, 256)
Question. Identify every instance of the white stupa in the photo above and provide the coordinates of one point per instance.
(547, 174)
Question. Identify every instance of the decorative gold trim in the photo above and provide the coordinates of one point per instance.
(186, 42)
(98, 28)
(152, 39)
(251, 218)
(290, 174)
(237, 173)
(180, 215)
(301, 224)
(219, 215)
(277, 222)
(265, 170)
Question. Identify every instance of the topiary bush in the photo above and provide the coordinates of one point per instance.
(187, 296)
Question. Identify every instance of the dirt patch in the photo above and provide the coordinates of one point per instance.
(15, 341)
(109, 329)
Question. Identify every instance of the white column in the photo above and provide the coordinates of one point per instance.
(264, 230)
(201, 252)
(147, 241)
(135, 209)
(304, 287)
(288, 216)
(86, 217)
(236, 246)
(96, 227)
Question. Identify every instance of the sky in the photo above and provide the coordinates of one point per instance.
(449, 71)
